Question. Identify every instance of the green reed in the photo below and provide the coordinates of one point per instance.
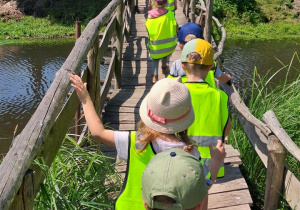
(79, 178)
(284, 99)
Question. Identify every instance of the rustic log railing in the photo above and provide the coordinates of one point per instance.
(42, 136)
(269, 139)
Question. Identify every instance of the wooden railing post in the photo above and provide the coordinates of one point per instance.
(119, 44)
(208, 18)
(93, 78)
(192, 14)
(275, 172)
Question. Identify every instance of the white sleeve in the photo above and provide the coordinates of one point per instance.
(122, 141)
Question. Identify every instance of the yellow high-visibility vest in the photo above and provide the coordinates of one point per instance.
(162, 33)
(211, 116)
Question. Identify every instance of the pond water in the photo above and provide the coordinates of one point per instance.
(26, 72)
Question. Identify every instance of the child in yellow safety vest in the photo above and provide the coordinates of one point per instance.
(162, 33)
(212, 121)
(166, 112)
(187, 32)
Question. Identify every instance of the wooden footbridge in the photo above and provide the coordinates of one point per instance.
(130, 66)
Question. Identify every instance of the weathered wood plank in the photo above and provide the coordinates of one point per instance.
(106, 85)
(238, 207)
(271, 120)
(227, 199)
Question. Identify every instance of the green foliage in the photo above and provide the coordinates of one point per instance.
(64, 11)
(79, 178)
(283, 99)
(239, 11)
(30, 27)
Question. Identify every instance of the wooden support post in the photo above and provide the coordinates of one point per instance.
(275, 172)
(192, 14)
(208, 18)
(93, 78)
(119, 44)
(77, 114)
(25, 196)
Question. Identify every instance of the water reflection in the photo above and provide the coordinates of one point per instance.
(241, 57)
(26, 74)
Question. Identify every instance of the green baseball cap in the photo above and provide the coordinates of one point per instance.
(200, 46)
(175, 174)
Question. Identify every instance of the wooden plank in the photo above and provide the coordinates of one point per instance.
(233, 180)
(291, 189)
(106, 85)
(228, 199)
(238, 207)
(108, 33)
(257, 139)
(235, 160)
(122, 118)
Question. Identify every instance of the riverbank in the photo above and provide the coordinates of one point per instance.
(242, 20)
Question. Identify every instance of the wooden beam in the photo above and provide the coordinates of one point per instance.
(275, 169)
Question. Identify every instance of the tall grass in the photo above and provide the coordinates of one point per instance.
(284, 99)
(79, 178)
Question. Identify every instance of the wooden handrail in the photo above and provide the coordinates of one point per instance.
(45, 131)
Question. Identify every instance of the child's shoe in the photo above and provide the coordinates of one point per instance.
(154, 79)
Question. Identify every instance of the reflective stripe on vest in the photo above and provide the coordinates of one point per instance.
(211, 116)
(131, 194)
(170, 5)
(162, 42)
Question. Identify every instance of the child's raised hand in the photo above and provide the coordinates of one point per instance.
(219, 152)
(80, 87)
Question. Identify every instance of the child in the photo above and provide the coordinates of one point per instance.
(162, 31)
(171, 5)
(175, 179)
(166, 113)
(187, 32)
(210, 105)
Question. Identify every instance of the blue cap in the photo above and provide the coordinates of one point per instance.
(189, 28)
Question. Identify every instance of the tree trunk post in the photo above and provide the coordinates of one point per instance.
(119, 44)
(275, 172)
(208, 18)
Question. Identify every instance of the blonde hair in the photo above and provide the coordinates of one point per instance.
(147, 135)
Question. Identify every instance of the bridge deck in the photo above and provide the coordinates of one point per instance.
(122, 111)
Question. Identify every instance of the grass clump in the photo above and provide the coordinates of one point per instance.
(284, 99)
(79, 178)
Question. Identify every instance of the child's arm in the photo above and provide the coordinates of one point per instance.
(94, 123)
(217, 157)
(227, 128)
